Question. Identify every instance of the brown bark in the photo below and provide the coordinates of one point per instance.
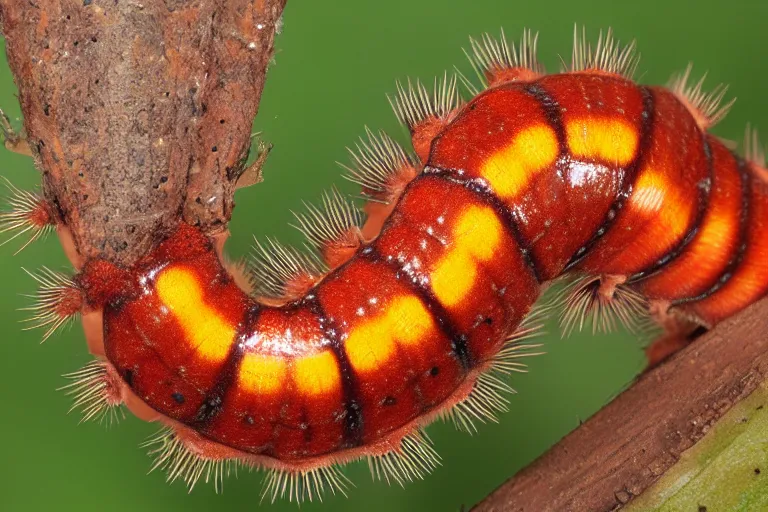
(139, 113)
(627, 445)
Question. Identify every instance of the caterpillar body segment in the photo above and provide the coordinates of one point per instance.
(422, 310)
(643, 153)
(316, 368)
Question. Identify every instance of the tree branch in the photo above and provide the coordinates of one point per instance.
(139, 113)
(631, 442)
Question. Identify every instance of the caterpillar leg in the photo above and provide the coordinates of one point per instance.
(604, 302)
(679, 332)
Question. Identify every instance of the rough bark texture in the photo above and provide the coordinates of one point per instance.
(139, 113)
(627, 445)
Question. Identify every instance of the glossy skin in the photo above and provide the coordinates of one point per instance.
(577, 171)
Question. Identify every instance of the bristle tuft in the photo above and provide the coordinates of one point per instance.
(608, 56)
(28, 214)
(304, 485)
(754, 152)
(471, 88)
(415, 458)
(241, 272)
(274, 267)
(491, 56)
(413, 104)
(171, 455)
(485, 402)
(488, 397)
(93, 394)
(57, 302)
(376, 161)
(601, 302)
(332, 223)
(518, 346)
(709, 107)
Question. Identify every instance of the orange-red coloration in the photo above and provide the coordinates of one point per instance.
(747, 280)
(424, 133)
(339, 251)
(41, 216)
(714, 244)
(530, 179)
(665, 194)
(498, 75)
(378, 211)
(281, 389)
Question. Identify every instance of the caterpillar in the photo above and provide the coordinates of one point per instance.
(417, 311)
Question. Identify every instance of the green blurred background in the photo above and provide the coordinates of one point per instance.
(335, 62)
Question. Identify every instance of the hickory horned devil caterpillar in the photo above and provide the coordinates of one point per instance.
(420, 308)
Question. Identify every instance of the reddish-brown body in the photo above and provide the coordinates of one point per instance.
(618, 179)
